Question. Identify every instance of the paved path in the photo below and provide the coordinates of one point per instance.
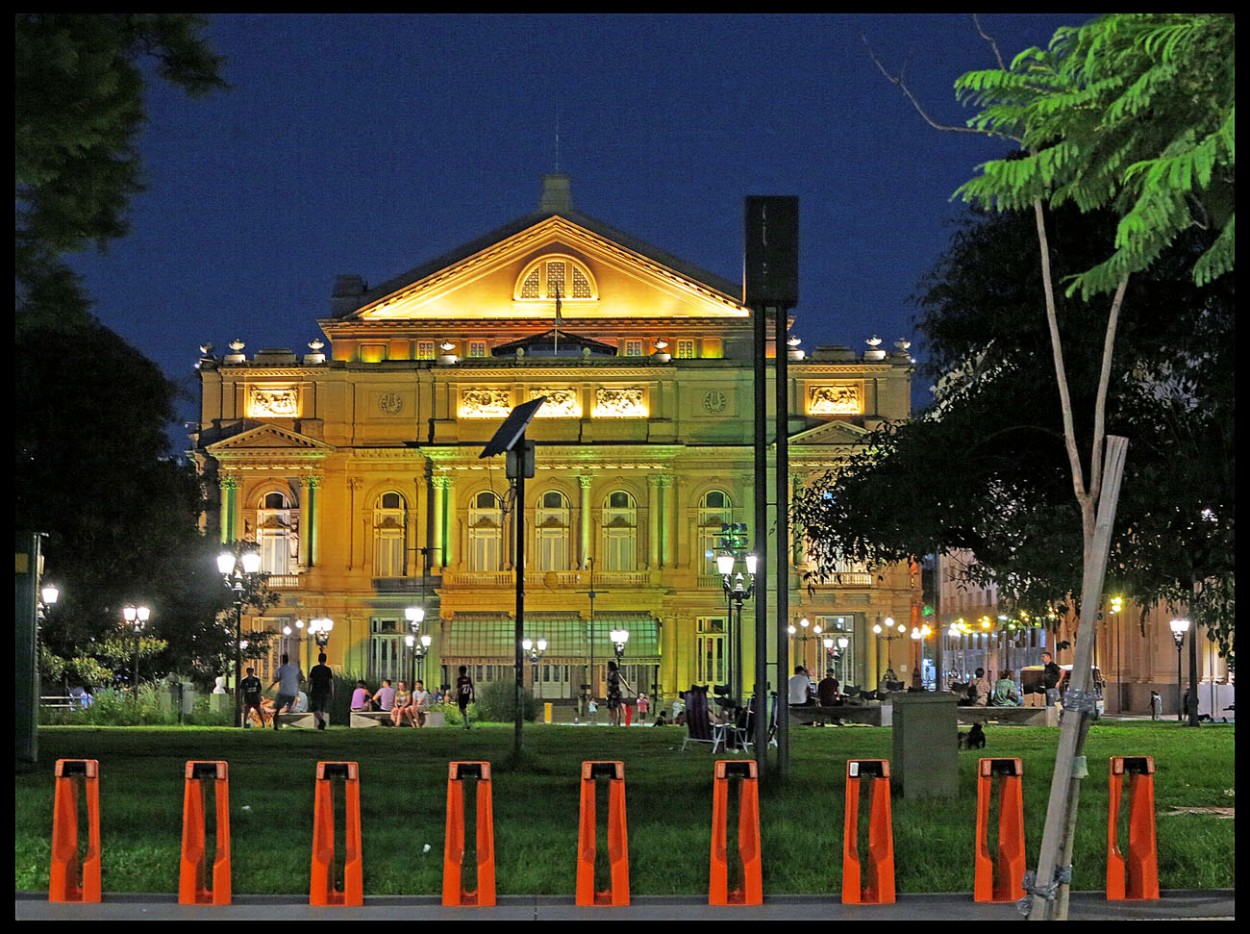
(1175, 905)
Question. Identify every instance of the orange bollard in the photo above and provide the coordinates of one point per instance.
(1000, 878)
(617, 892)
(74, 879)
(193, 879)
(322, 890)
(751, 889)
(454, 892)
(875, 886)
(1137, 876)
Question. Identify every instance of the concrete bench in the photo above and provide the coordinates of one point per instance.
(304, 720)
(368, 718)
(870, 714)
(1019, 716)
(59, 702)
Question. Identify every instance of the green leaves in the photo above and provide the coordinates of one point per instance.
(1133, 112)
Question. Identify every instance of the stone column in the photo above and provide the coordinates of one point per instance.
(228, 484)
(310, 552)
(668, 522)
(450, 537)
(655, 509)
(438, 522)
(584, 519)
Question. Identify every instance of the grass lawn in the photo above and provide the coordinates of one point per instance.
(403, 791)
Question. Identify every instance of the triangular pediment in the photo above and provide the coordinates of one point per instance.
(839, 432)
(268, 440)
(631, 280)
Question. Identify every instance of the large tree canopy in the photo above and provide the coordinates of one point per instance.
(78, 108)
(996, 439)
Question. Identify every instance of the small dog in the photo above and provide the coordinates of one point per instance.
(973, 739)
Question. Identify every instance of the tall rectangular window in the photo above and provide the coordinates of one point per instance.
(425, 350)
(711, 650)
(685, 349)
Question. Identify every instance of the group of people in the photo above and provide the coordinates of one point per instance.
(1005, 692)
(403, 705)
(801, 692)
(289, 699)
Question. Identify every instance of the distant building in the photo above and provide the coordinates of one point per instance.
(355, 468)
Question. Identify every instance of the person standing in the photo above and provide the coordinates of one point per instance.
(287, 679)
(644, 704)
(320, 690)
(616, 681)
(1052, 677)
(1156, 706)
(251, 688)
(464, 693)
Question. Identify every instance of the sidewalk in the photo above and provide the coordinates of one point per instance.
(1174, 905)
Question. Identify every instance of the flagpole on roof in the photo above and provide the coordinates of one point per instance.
(555, 333)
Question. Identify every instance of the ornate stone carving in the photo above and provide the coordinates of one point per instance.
(621, 402)
(561, 402)
(835, 399)
(273, 402)
(714, 401)
(485, 403)
(390, 403)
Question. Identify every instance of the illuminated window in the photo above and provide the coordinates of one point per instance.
(425, 350)
(552, 531)
(485, 533)
(477, 348)
(633, 348)
(715, 512)
(685, 350)
(620, 532)
(711, 650)
(550, 276)
(390, 525)
(276, 535)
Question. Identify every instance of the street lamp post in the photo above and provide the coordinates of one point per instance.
(239, 569)
(319, 631)
(800, 635)
(534, 648)
(415, 616)
(136, 618)
(737, 592)
(889, 632)
(919, 634)
(1179, 627)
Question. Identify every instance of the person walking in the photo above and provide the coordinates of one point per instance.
(287, 679)
(320, 690)
(1052, 677)
(251, 688)
(464, 693)
(616, 681)
(1156, 706)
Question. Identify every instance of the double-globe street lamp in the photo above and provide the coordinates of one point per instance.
(319, 631)
(534, 648)
(415, 616)
(889, 632)
(802, 636)
(240, 569)
(1179, 627)
(136, 618)
(737, 591)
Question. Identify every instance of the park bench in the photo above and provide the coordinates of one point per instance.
(1018, 716)
(870, 714)
(59, 702)
(368, 718)
(305, 720)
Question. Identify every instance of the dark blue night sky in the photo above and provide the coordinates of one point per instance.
(368, 144)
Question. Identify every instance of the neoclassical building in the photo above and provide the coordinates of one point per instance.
(356, 468)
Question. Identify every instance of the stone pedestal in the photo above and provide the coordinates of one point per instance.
(926, 752)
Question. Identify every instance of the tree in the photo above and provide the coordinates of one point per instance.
(78, 101)
(92, 462)
(1134, 113)
(997, 435)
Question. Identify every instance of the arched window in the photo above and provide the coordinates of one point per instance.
(485, 533)
(620, 532)
(715, 512)
(390, 535)
(277, 536)
(551, 531)
(550, 276)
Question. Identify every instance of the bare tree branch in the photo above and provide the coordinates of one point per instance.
(900, 82)
(998, 56)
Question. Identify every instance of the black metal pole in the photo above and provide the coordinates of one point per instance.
(1192, 706)
(1180, 698)
(522, 452)
(238, 663)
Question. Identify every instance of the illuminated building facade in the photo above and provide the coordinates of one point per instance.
(356, 470)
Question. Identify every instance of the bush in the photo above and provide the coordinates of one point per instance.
(496, 701)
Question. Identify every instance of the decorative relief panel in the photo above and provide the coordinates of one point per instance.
(621, 402)
(561, 402)
(485, 403)
(835, 399)
(390, 403)
(714, 401)
(273, 402)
